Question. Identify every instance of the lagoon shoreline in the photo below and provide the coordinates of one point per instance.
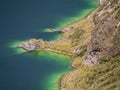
(76, 41)
(40, 45)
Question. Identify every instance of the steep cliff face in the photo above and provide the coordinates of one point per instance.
(105, 38)
(106, 35)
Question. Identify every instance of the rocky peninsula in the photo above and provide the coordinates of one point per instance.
(94, 45)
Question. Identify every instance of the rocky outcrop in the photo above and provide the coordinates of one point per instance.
(91, 58)
(32, 44)
(101, 2)
(56, 30)
(105, 36)
(40, 45)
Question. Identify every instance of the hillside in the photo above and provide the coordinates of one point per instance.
(94, 45)
(100, 67)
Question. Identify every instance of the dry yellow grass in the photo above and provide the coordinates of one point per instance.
(101, 77)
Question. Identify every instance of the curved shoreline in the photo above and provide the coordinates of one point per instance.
(54, 50)
(95, 52)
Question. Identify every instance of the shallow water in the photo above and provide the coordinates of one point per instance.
(23, 19)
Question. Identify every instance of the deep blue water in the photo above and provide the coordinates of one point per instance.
(24, 19)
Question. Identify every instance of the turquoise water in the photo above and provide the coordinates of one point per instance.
(23, 19)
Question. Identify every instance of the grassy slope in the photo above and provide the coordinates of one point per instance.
(106, 75)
